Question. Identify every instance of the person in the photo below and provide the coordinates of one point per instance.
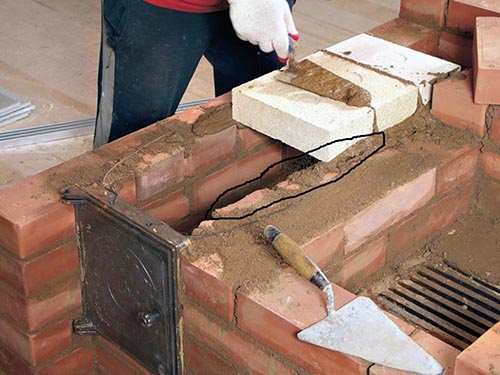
(151, 48)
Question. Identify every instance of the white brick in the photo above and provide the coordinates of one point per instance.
(299, 118)
(393, 100)
(398, 61)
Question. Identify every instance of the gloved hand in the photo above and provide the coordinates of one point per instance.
(266, 23)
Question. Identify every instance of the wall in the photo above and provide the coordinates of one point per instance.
(175, 182)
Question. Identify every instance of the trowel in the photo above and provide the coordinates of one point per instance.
(359, 328)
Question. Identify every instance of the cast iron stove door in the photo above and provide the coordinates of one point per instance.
(129, 265)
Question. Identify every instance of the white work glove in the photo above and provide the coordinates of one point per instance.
(266, 23)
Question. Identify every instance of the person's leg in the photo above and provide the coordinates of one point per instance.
(235, 61)
(148, 57)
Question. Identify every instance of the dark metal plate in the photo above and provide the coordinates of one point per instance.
(129, 266)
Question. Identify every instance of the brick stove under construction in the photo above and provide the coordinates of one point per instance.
(206, 294)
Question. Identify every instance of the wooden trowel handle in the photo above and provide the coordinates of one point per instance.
(295, 257)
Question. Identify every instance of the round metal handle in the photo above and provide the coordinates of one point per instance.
(149, 319)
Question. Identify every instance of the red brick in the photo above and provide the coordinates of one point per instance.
(408, 34)
(128, 192)
(495, 125)
(452, 103)
(12, 364)
(487, 60)
(33, 313)
(203, 282)
(208, 189)
(31, 220)
(445, 354)
(170, 209)
(28, 277)
(491, 163)
(483, 356)
(431, 220)
(159, 172)
(250, 200)
(462, 14)
(366, 262)
(78, 362)
(425, 11)
(248, 356)
(201, 361)
(37, 347)
(118, 357)
(290, 304)
(455, 48)
(323, 248)
(189, 116)
(457, 172)
(394, 206)
(210, 150)
(250, 139)
(218, 101)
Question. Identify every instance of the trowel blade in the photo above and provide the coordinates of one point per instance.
(286, 76)
(361, 329)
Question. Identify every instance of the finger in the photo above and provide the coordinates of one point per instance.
(266, 46)
(290, 25)
(280, 45)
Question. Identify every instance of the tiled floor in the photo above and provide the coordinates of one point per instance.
(50, 52)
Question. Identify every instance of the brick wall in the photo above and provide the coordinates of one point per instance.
(230, 331)
(226, 323)
(39, 287)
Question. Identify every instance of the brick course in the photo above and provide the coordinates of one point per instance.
(396, 205)
(33, 313)
(243, 353)
(37, 347)
(29, 276)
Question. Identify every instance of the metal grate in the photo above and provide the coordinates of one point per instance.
(452, 305)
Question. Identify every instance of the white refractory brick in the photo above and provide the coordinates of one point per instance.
(395, 60)
(393, 100)
(299, 118)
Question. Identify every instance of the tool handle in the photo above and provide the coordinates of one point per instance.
(295, 257)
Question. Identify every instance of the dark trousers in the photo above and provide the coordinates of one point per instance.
(149, 54)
